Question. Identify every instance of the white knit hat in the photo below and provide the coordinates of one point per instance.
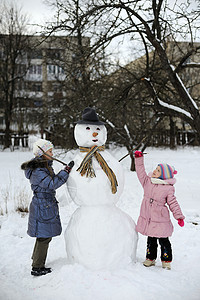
(44, 144)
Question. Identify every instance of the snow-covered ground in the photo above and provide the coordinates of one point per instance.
(74, 282)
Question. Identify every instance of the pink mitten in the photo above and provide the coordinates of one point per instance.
(138, 154)
(181, 222)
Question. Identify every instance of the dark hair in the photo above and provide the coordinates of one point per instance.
(45, 160)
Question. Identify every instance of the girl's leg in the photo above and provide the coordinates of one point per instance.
(166, 250)
(152, 245)
(40, 252)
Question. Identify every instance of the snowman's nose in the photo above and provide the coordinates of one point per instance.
(95, 134)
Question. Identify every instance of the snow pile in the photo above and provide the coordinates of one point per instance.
(101, 237)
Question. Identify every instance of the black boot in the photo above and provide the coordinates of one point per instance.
(40, 271)
(48, 270)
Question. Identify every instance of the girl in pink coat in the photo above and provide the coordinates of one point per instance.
(154, 220)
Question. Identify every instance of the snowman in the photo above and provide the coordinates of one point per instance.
(99, 234)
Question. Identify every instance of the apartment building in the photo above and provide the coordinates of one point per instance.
(40, 75)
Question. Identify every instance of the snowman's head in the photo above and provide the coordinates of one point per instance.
(88, 135)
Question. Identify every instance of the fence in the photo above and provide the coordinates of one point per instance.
(165, 138)
(158, 138)
(17, 140)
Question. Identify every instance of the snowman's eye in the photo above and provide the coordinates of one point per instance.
(97, 128)
(87, 128)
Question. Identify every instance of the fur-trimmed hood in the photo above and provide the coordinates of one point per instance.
(35, 163)
(31, 165)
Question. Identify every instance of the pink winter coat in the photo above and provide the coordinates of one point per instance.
(154, 219)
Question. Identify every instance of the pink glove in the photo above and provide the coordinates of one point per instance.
(181, 222)
(138, 154)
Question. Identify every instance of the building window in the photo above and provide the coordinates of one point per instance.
(2, 55)
(35, 69)
(37, 87)
(55, 53)
(38, 103)
(37, 54)
(21, 69)
(51, 69)
(54, 69)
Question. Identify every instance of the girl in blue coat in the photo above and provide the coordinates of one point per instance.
(44, 220)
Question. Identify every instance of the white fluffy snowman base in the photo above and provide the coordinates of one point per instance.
(101, 237)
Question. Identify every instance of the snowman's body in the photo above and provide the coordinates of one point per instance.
(99, 234)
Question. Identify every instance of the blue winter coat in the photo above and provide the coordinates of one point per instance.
(44, 219)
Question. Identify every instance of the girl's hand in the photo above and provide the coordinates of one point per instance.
(138, 154)
(69, 167)
(181, 222)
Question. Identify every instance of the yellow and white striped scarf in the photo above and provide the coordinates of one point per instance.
(86, 165)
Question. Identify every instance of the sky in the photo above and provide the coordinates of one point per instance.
(40, 13)
(36, 10)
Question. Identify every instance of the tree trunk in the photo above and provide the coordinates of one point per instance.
(172, 134)
(7, 114)
(132, 162)
(7, 140)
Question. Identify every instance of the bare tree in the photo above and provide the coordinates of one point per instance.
(160, 87)
(155, 23)
(127, 110)
(13, 43)
(84, 67)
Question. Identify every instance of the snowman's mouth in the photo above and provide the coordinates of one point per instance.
(95, 140)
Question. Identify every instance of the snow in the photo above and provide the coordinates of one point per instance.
(75, 282)
(192, 101)
(128, 133)
(176, 108)
(91, 238)
(110, 123)
(173, 107)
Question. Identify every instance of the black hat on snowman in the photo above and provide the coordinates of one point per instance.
(89, 116)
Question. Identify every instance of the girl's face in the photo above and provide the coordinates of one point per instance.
(50, 153)
(157, 172)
